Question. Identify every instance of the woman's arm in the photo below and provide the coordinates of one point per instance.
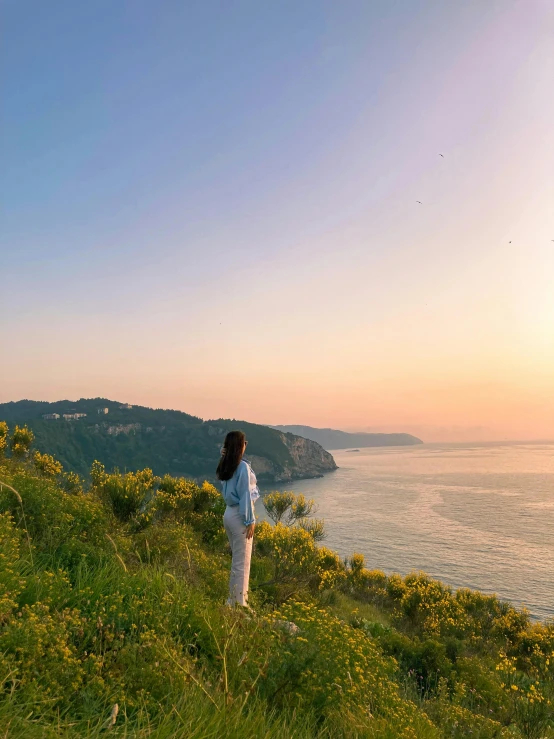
(246, 506)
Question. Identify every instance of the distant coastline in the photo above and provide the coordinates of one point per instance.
(334, 439)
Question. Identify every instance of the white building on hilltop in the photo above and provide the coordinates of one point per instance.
(125, 407)
(103, 411)
(73, 416)
(50, 416)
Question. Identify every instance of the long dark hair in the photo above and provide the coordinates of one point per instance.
(231, 454)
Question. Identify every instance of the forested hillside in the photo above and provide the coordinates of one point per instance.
(168, 441)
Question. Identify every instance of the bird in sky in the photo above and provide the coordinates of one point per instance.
(441, 155)
(419, 201)
(509, 242)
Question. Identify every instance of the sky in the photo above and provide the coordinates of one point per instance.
(212, 206)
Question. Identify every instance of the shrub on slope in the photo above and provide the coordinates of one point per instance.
(114, 596)
(96, 613)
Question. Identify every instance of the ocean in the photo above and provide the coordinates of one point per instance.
(472, 515)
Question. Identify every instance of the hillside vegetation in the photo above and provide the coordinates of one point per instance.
(167, 441)
(335, 439)
(112, 622)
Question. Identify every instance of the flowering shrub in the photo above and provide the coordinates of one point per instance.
(11, 579)
(291, 546)
(429, 604)
(37, 646)
(510, 623)
(3, 437)
(207, 512)
(201, 506)
(337, 669)
(364, 584)
(64, 524)
(296, 559)
(535, 650)
(291, 550)
(432, 608)
(531, 699)
(175, 495)
(47, 465)
(21, 441)
(71, 483)
(128, 494)
(330, 569)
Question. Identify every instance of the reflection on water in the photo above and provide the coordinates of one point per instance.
(478, 516)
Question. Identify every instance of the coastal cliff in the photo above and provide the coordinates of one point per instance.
(307, 459)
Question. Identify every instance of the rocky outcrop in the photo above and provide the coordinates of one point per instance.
(310, 459)
(306, 460)
(126, 428)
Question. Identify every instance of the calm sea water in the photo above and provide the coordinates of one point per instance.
(478, 516)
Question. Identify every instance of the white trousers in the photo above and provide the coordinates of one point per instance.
(241, 549)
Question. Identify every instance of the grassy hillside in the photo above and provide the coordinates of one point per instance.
(111, 620)
(167, 441)
(334, 439)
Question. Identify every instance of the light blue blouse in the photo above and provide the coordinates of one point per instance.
(242, 490)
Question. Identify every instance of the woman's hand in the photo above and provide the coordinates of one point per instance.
(250, 530)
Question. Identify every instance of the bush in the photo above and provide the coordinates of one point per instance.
(364, 584)
(459, 722)
(37, 646)
(21, 441)
(12, 581)
(62, 524)
(47, 465)
(336, 669)
(424, 663)
(288, 508)
(72, 483)
(200, 506)
(127, 494)
(297, 562)
(3, 437)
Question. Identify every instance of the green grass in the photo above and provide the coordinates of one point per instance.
(192, 717)
(97, 609)
(349, 609)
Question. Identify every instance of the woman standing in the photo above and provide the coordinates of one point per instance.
(239, 492)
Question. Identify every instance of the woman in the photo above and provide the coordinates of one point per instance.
(239, 492)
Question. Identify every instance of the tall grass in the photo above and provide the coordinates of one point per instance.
(104, 604)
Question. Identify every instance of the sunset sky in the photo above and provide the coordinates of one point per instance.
(211, 206)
